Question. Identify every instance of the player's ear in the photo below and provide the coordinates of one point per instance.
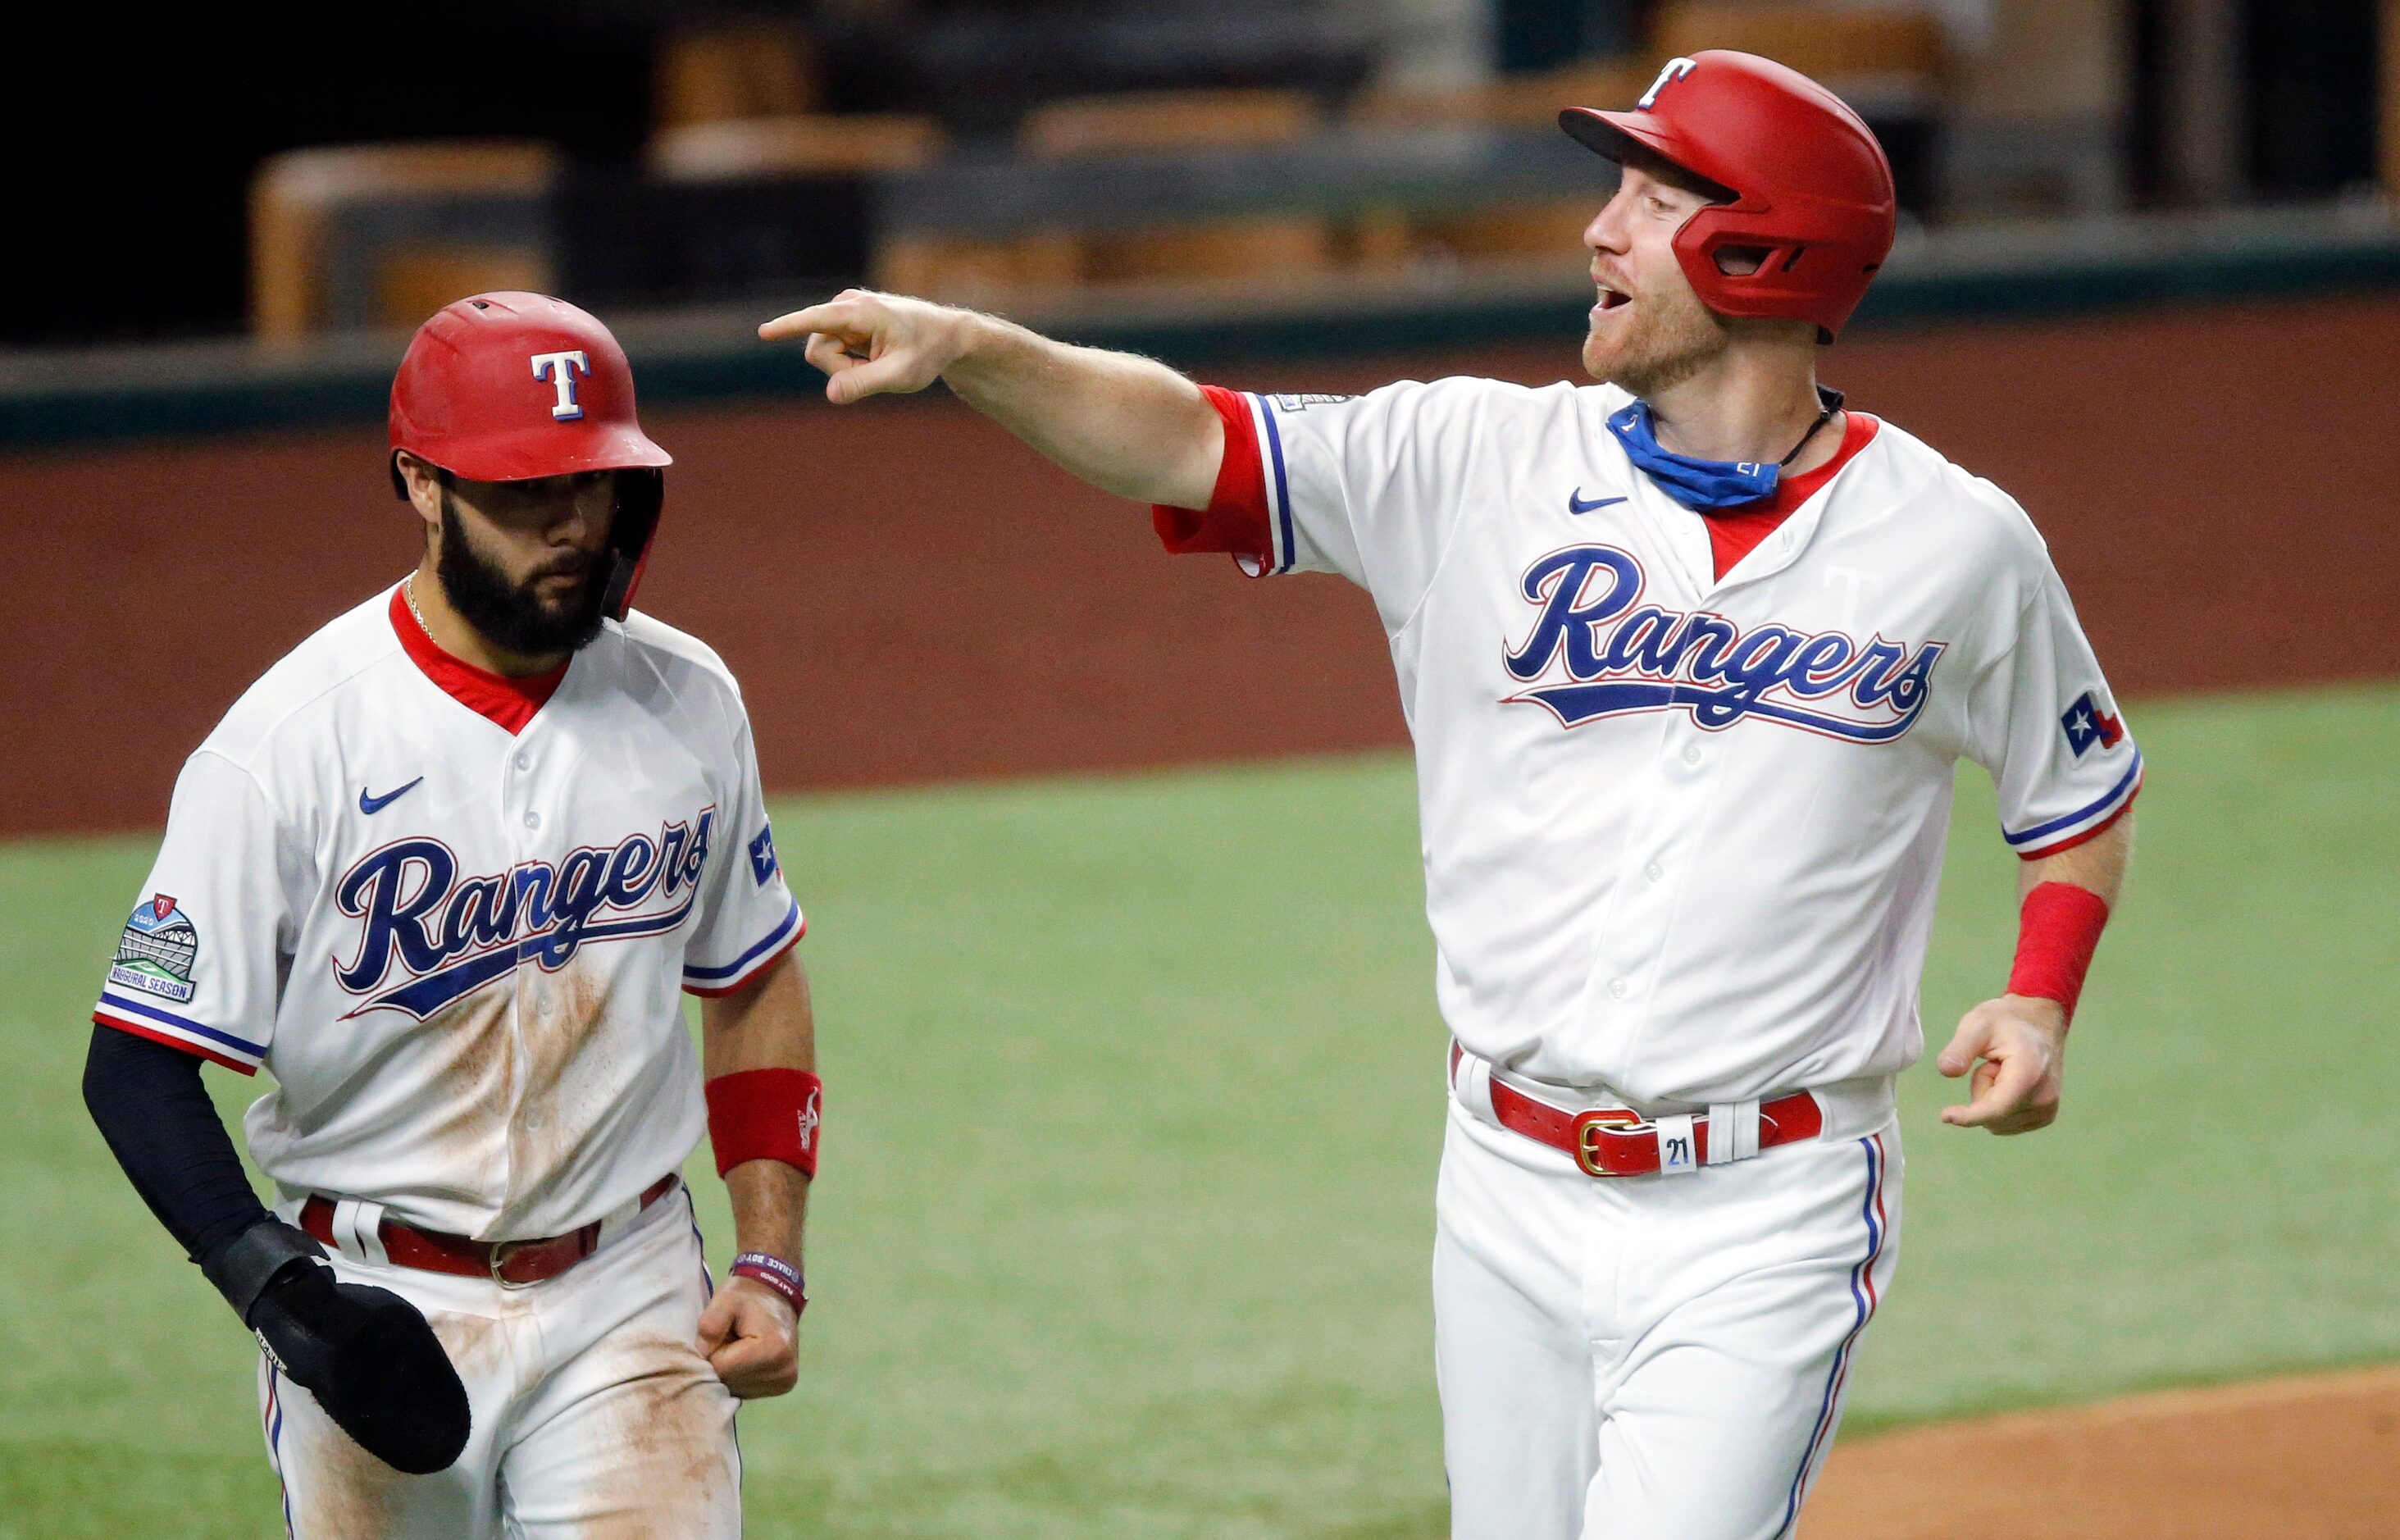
(419, 485)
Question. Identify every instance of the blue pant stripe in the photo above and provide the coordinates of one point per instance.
(1818, 1437)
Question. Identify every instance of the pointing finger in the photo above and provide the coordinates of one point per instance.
(798, 324)
(832, 316)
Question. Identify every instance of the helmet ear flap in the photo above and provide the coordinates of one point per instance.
(641, 493)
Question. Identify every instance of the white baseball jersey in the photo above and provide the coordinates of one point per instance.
(1682, 834)
(456, 922)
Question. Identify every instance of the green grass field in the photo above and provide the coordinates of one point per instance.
(1135, 1097)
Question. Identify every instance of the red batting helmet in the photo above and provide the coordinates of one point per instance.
(509, 387)
(1812, 190)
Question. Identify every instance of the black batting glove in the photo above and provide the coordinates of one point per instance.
(369, 1356)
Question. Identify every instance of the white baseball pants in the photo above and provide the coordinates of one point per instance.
(1654, 1357)
(595, 1416)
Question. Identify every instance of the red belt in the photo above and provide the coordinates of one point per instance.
(512, 1262)
(1617, 1141)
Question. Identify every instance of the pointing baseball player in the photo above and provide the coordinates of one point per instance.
(447, 870)
(1689, 656)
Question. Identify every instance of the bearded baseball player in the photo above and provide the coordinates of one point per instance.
(447, 870)
(1689, 658)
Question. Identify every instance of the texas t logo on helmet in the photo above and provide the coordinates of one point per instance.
(560, 368)
(1676, 69)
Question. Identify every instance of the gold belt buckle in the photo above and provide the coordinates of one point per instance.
(1589, 1129)
(502, 1253)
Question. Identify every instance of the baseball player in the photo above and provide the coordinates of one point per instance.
(447, 870)
(1688, 658)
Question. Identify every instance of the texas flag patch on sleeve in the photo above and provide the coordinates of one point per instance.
(2086, 724)
(763, 864)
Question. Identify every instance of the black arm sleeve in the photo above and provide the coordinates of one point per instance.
(159, 1124)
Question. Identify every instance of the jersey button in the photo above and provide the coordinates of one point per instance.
(532, 820)
(525, 761)
(1654, 871)
(1692, 754)
(1619, 989)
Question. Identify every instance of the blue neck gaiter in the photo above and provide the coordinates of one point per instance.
(1705, 487)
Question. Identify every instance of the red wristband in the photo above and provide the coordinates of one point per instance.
(765, 1115)
(2057, 932)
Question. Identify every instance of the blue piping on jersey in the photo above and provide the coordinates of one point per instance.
(2056, 824)
(119, 1002)
(783, 928)
(1860, 1301)
(1283, 486)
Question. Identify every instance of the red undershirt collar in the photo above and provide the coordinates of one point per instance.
(510, 704)
(1858, 431)
(1736, 532)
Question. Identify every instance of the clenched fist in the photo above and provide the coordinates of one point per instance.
(750, 1335)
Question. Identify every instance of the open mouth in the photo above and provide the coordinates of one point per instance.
(1611, 299)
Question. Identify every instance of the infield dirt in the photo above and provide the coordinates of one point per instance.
(2309, 1458)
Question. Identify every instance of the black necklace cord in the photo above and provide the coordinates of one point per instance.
(1832, 402)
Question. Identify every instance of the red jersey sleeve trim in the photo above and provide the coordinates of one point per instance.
(187, 1045)
(1236, 519)
(2074, 841)
(748, 970)
(2093, 833)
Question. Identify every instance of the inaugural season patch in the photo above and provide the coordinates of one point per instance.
(155, 955)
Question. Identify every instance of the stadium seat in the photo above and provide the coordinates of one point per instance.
(1878, 53)
(1134, 122)
(721, 74)
(1530, 101)
(383, 235)
(966, 271)
(1890, 62)
(1510, 231)
(1181, 122)
(803, 144)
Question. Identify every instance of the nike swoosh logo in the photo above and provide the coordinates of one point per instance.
(1576, 505)
(376, 804)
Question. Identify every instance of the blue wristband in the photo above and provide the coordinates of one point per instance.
(775, 1273)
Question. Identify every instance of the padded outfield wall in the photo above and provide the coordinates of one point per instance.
(907, 595)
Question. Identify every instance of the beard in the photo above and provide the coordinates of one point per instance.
(511, 616)
(1674, 336)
